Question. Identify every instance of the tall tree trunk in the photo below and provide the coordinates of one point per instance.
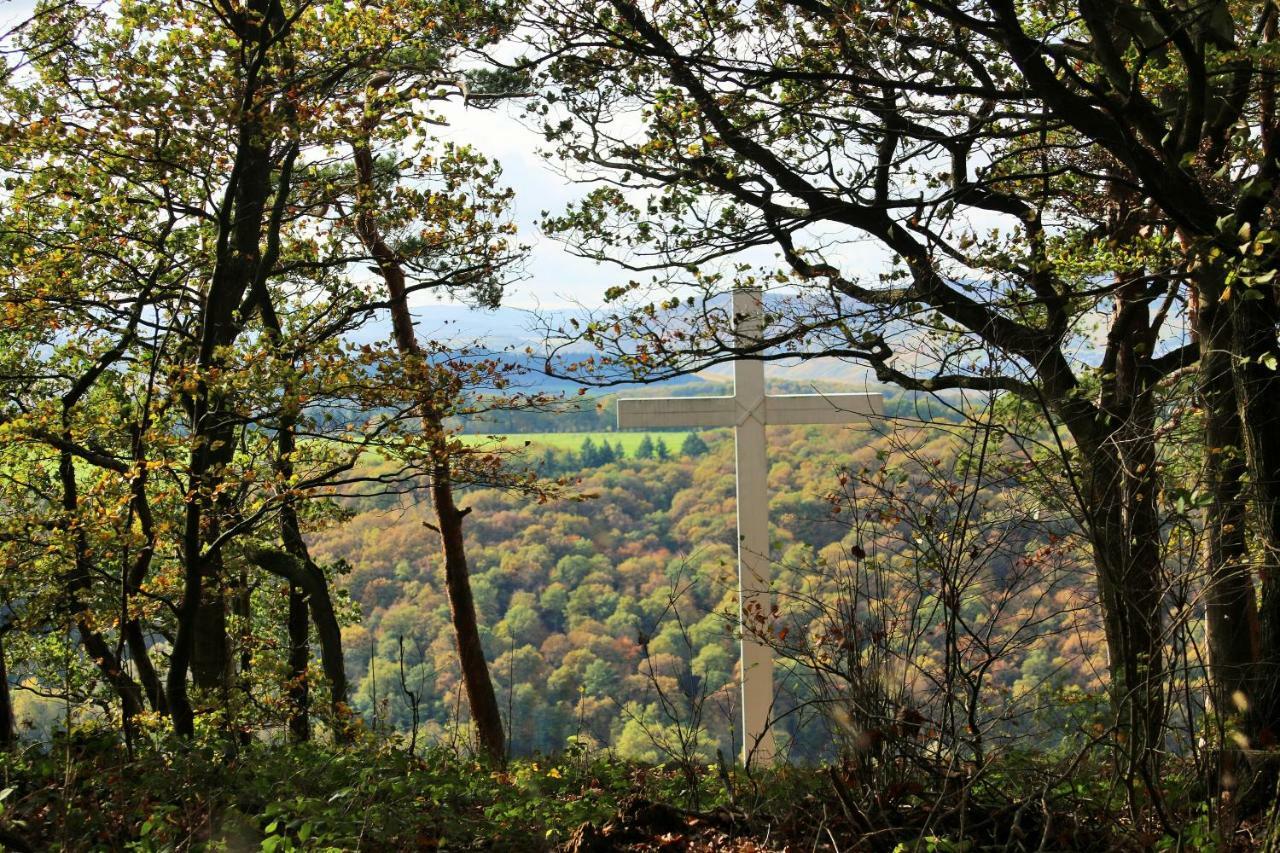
(292, 541)
(1140, 573)
(301, 593)
(1129, 589)
(475, 669)
(8, 735)
(1119, 489)
(1231, 610)
(299, 657)
(200, 643)
(1257, 385)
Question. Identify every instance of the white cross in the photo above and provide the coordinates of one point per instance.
(748, 410)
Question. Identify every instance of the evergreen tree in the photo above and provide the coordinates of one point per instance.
(660, 449)
(589, 454)
(693, 446)
(644, 450)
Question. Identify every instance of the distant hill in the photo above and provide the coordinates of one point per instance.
(822, 372)
(598, 412)
(519, 336)
(500, 328)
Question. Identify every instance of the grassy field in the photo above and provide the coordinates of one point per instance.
(573, 440)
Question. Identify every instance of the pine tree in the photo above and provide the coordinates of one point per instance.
(660, 449)
(693, 446)
(644, 450)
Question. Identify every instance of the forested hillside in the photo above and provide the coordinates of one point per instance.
(610, 618)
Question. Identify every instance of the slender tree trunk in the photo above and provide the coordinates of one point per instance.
(294, 545)
(299, 634)
(329, 634)
(131, 626)
(1119, 489)
(299, 657)
(475, 669)
(147, 675)
(309, 592)
(111, 668)
(78, 581)
(8, 735)
(307, 576)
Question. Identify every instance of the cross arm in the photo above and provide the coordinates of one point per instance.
(785, 409)
(676, 412)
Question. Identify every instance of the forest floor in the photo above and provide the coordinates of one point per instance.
(91, 795)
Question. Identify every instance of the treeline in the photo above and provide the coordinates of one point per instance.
(590, 454)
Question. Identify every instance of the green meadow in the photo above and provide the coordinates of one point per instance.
(572, 441)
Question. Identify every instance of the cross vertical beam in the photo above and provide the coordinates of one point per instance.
(754, 564)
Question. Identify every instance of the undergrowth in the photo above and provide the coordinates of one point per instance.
(87, 793)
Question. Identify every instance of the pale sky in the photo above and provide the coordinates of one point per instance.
(554, 277)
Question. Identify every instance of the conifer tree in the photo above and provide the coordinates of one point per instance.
(693, 446)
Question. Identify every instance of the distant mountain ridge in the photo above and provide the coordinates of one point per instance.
(508, 332)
